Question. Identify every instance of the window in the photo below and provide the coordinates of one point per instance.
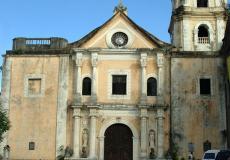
(202, 3)
(34, 86)
(203, 35)
(119, 84)
(119, 39)
(151, 87)
(205, 86)
(86, 86)
(31, 146)
(209, 156)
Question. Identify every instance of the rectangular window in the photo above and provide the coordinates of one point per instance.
(34, 86)
(31, 146)
(119, 84)
(205, 86)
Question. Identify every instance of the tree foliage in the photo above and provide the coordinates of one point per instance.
(4, 123)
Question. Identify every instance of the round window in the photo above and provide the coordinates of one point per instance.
(119, 39)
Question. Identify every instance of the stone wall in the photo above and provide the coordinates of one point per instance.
(33, 116)
(196, 118)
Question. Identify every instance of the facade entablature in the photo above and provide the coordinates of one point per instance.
(187, 10)
(116, 50)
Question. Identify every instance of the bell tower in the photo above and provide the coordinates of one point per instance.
(198, 25)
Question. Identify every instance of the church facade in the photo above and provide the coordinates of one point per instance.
(119, 92)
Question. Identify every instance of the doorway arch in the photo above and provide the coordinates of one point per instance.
(135, 137)
(118, 144)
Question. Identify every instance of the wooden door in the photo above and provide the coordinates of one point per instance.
(118, 143)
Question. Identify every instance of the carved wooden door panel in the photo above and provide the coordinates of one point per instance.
(118, 143)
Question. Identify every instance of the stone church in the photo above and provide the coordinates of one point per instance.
(119, 93)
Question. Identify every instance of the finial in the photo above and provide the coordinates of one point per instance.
(120, 3)
(120, 7)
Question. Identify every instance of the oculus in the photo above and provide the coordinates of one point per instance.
(119, 39)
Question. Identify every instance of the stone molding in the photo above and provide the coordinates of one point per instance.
(126, 72)
(26, 85)
(212, 86)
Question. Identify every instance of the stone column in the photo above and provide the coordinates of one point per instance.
(76, 132)
(101, 154)
(94, 60)
(160, 132)
(143, 62)
(78, 81)
(92, 139)
(144, 116)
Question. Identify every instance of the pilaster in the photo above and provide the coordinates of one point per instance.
(62, 103)
(94, 62)
(143, 63)
(77, 80)
(160, 65)
(5, 95)
(221, 25)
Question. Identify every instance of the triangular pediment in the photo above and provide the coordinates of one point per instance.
(107, 35)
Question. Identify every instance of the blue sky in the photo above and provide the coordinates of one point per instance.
(72, 19)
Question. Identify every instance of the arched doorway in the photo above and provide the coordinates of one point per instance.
(118, 143)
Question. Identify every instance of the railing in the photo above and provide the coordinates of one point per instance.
(39, 43)
(203, 40)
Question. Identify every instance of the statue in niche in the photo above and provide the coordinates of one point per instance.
(152, 141)
(85, 138)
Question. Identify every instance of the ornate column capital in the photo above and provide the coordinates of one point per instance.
(78, 59)
(143, 59)
(94, 59)
(93, 112)
(144, 112)
(77, 112)
(160, 113)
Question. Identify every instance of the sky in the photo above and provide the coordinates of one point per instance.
(72, 19)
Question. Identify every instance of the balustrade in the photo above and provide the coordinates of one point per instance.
(203, 40)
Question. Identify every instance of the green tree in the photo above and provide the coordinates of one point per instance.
(4, 123)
